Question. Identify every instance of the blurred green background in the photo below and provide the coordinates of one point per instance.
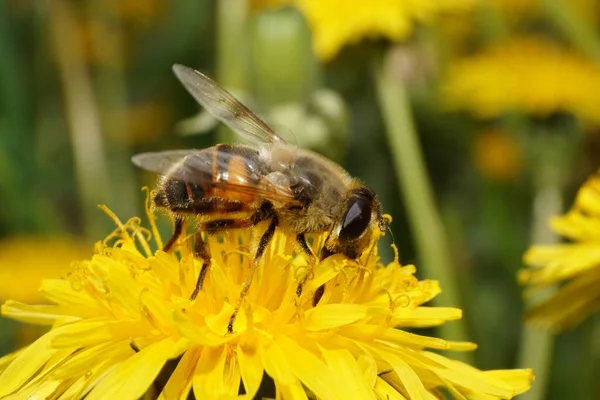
(504, 96)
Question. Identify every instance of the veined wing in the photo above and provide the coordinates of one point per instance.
(224, 106)
(216, 169)
(162, 162)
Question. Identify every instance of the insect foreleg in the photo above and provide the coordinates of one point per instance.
(321, 289)
(177, 230)
(312, 260)
(262, 245)
(200, 251)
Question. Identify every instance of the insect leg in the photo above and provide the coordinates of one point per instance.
(262, 245)
(312, 260)
(225, 224)
(321, 289)
(177, 230)
(200, 251)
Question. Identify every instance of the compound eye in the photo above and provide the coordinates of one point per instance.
(357, 217)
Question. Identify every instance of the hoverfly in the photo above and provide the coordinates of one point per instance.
(232, 186)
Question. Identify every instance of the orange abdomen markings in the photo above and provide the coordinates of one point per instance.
(235, 166)
(218, 180)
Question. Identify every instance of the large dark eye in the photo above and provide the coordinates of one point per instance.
(357, 217)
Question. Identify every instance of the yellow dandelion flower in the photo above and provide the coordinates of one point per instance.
(118, 317)
(336, 23)
(528, 75)
(575, 265)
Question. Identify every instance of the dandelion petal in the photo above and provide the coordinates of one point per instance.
(348, 371)
(293, 391)
(386, 391)
(180, 381)
(208, 378)
(28, 361)
(276, 364)
(334, 315)
(251, 369)
(132, 378)
(413, 385)
(313, 372)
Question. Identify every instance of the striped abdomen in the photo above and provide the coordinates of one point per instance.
(219, 179)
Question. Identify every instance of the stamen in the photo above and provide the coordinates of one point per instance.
(117, 244)
(107, 242)
(152, 217)
(111, 215)
(149, 316)
(143, 235)
(300, 312)
(391, 307)
(242, 254)
(300, 272)
(387, 217)
(372, 250)
(396, 254)
(231, 362)
(402, 296)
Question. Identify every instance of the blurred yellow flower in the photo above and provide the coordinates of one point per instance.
(575, 265)
(528, 75)
(497, 155)
(336, 23)
(25, 261)
(121, 315)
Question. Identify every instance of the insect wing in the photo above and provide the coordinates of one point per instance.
(199, 167)
(224, 106)
(163, 162)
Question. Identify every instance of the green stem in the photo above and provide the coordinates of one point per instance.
(595, 355)
(589, 385)
(17, 183)
(574, 26)
(111, 90)
(552, 159)
(584, 36)
(425, 221)
(83, 119)
(537, 346)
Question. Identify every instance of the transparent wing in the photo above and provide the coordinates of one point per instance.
(202, 168)
(163, 162)
(224, 106)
